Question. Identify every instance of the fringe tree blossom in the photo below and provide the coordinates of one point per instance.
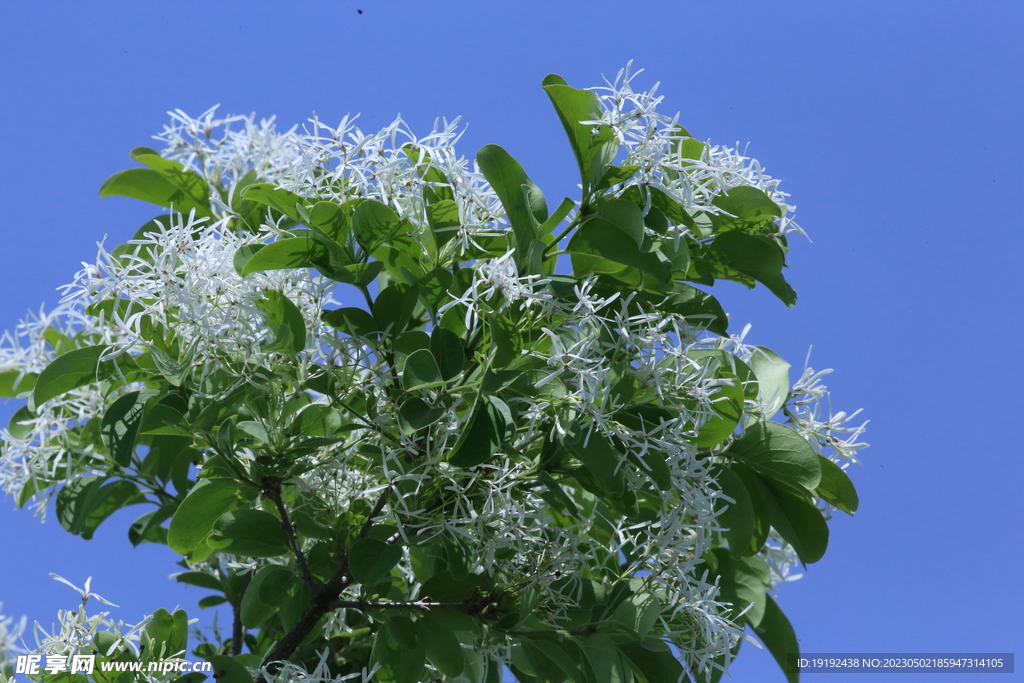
(492, 463)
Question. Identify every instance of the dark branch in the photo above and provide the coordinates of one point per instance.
(272, 487)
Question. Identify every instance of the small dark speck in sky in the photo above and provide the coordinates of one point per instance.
(360, 11)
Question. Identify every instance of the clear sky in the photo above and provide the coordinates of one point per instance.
(895, 125)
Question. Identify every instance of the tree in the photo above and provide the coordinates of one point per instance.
(533, 444)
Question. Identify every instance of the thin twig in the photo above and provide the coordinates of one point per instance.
(272, 487)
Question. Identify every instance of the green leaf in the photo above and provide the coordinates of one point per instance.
(737, 518)
(14, 382)
(557, 217)
(120, 426)
(443, 648)
(600, 458)
(615, 175)
(700, 308)
(600, 238)
(727, 403)
(778, 636)
(229, 670)
(800, 522)
(285, 322)
(750, 208)
(639, 612)
(779, 453)
(370, 560)
(279, 199)
(200, 579)
(254, 610)
(251, 533)
(317, 419)
(358, 274)
(743, 583)
(444, 221)
(594, 146)
(760, 499)
(211, 601)
(523, 201)
(69, 371)
(625, 216)
(421, 371)
(415, 414)
(443, 587)
(394, 307)
(506, 340)
(654, 666)
(290, 252)
(156, 188)
(481, 438)
(772, 380)
(375, 224)
(147, 527)
(200, 510)
(399, 650)
(758, 257)
(243, 254)
(447, 348)
(84, 503)
(354, 321)
(836, 488)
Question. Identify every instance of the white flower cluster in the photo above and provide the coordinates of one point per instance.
(690, 171)
(180, 278)
(11, 632)
(77, 629)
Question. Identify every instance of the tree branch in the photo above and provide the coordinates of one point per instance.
(272, 487)
(321, 600)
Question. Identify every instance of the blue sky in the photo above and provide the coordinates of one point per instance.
(896, 127)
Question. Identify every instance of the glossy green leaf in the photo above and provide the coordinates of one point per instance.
(421, 371)
(200, 579)
(254, 611)
(727, 403)
(250, 533)
(639, 612)
(69, 371)
(772, 379)
(760, 500)
(625, 216)
(370, 560)
(655, 666)
(481, 438)
(614, 175)
(799, 522)
(836, 488)
(448, 351)
(290, 252)
(375, 224)
(353, 321)
(778, 636)
(14, 382)
(593, 145)
(284, 321)
(758, 257)
(600, 238)
(600, 458)
(779, 453)
(153, 187)
(279, 199)
(415, 414)
(83, 504)
(443, 648)
(747, 206)
(229, 670)
(736, 518)
(120, 426)
(444, 221)
(199, 511)
(523, 201)
(399, 650)
(394, 307)
(506, 340)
